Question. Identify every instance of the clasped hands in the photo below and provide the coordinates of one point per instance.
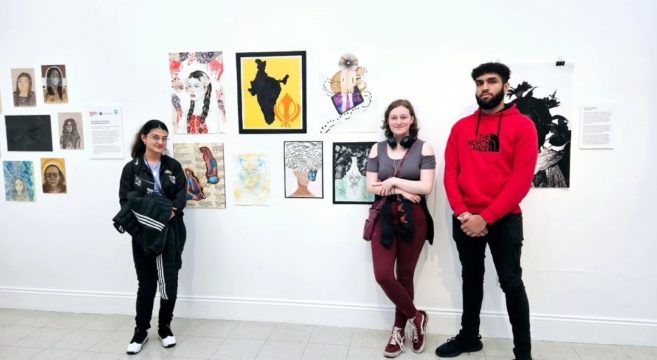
(389, 187)
(473, 225)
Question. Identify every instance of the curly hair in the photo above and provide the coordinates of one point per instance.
(72, 138)
(492, 68)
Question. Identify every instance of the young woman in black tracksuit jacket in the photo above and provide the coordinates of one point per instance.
(151, 173)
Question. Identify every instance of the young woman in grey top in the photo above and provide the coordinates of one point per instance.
(404, 222)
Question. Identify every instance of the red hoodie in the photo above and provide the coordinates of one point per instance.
(489, 163)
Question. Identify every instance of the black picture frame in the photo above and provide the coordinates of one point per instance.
(260, 76)
(342, 155)
(317, 161)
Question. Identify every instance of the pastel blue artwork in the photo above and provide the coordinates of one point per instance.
(19, 180)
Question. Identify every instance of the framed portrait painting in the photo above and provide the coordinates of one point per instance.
(203, 164)
(19, 180)
(303, 169)
(349, 168)
(197, 92)
(55, 88)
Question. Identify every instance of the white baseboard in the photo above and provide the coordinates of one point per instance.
(549, 327)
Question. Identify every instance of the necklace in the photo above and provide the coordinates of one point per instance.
(397, 162)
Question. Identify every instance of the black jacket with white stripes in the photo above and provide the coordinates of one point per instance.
(147, 220)
(137, 176)
(152, 212)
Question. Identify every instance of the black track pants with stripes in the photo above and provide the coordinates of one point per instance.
(153, 271)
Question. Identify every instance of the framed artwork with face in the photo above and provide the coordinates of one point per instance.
(53, 171)
(304, 175)
(349, 89)
(23, 85)
(55, 87)
(71, 134)
(204, 167)
(197, 92)
(349, 173)
(252, 185)
(19, 180)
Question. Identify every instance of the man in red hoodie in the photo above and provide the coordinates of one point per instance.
(489, 166)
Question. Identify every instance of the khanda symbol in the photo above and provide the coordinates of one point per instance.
(287, 110)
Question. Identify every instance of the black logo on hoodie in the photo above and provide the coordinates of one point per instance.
(485, 143)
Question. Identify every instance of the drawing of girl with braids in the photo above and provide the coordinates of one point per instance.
(197, 98)
(198, 88)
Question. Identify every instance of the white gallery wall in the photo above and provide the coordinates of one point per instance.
(589, 254)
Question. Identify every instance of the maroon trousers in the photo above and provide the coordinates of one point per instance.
(394, 267)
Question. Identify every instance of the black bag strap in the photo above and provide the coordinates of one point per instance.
(401, 163)
(379, 205)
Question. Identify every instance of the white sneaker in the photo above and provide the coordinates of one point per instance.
(135, 347)
(169, 341)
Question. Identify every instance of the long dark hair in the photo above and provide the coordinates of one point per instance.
(29, 79)
(60, 86)
(413, 130)
(73, 137)
(202, 77)
(138, 146)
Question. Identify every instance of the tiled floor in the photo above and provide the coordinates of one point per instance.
(52, 336)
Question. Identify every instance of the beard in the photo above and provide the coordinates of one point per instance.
(495, 100)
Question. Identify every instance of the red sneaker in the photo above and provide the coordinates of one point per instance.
(418, 329)
(395, 344)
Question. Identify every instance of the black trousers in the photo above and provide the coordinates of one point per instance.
(153, 270)
(505, 241)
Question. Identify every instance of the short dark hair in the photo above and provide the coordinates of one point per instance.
(138, 146)
(62, 178)
(492, 67)
(413, 130)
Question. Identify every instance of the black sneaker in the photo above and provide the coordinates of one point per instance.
(138, 340)
(168, 340)
(459, 345)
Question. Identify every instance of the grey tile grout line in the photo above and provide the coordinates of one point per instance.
(351, 340)
(31, 330)
(261, 346)
(305, 347)
(222, 341)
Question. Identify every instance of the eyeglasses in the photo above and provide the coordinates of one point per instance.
(51, 176)
(158, 138)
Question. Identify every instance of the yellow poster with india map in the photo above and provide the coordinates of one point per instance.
(271, 92)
